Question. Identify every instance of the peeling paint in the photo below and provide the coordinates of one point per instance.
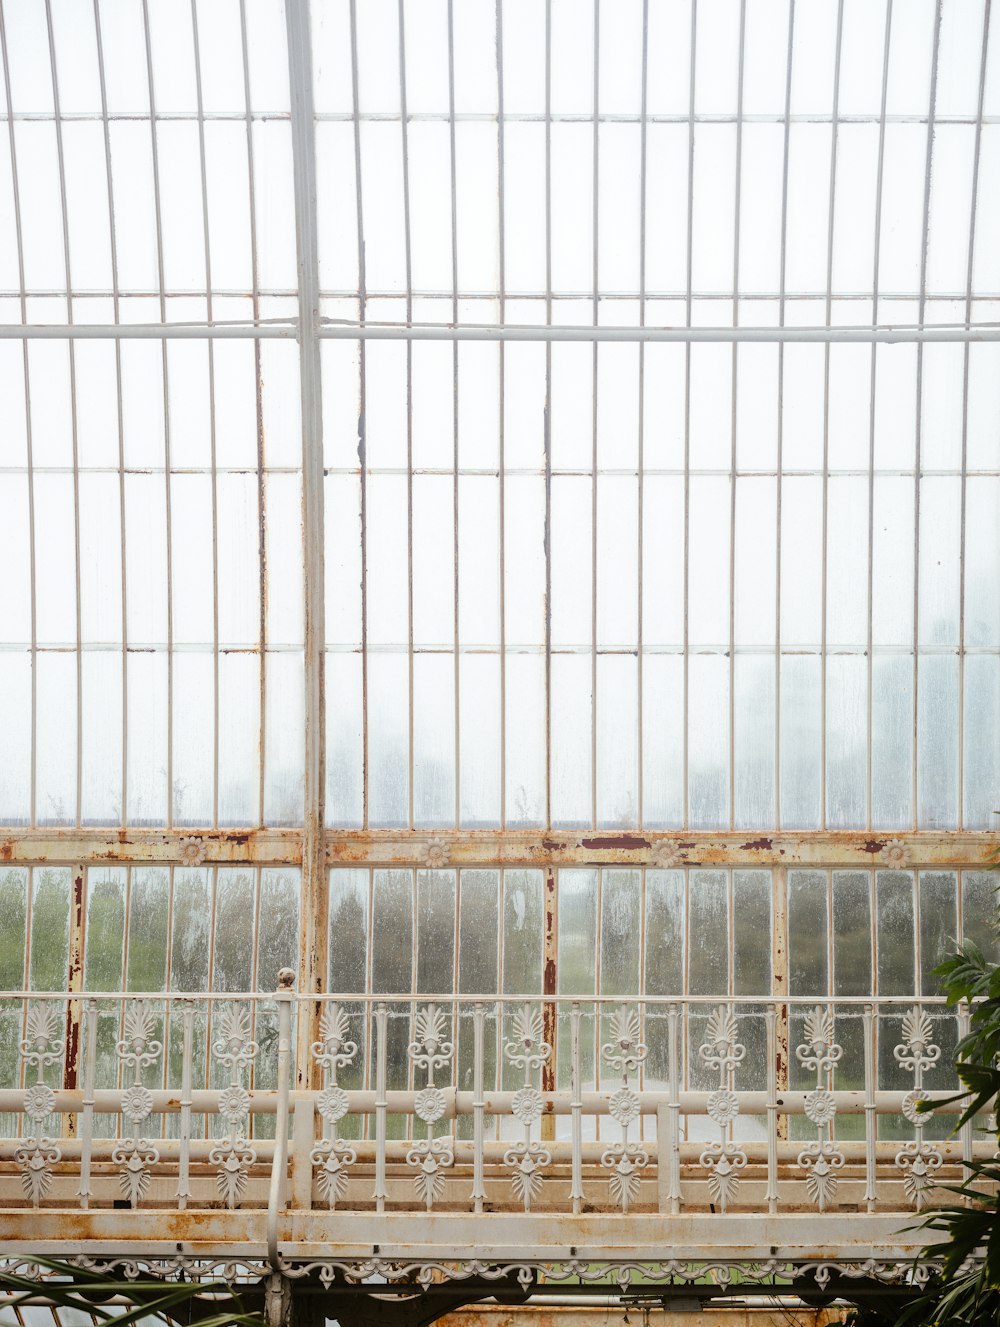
(609, 842)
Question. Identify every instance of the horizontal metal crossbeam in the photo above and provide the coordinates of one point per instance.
(497, 332)
(507, 847)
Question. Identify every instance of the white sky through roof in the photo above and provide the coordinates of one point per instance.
(707, 585)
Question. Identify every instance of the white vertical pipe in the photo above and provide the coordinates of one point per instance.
(29, 450)
(825, 524)
(870, 1106)
(576, 1109)
(87, 1123)
(184, 1163)
(314, 938)
(284, 995)
(674, 1192)
(382, 1032)
(116, 305)
(917, 464)
(771, 1195)
(965, 1133)
(408, 272)
(779, 454)
(969, 280)
(501, 367)
(478, 1104)
(873, 362)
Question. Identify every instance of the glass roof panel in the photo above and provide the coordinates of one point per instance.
(583, 186)
(712, 585)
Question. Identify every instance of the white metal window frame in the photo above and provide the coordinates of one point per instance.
(313, 846)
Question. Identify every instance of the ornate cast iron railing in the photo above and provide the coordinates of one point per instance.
(436, 1104)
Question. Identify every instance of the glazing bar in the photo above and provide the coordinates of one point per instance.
(553, 332)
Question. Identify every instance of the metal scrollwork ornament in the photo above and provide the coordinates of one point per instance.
(333, 1156)
(137, 1050)
(916, 1053)
(725, 1159)
(625, 1052)
(431, 1049)
(431, 1157)
(36, 1154)
(236, 1050)
(527, 1050)
(822, 1159)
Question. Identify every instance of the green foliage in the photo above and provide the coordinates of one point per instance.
(67, 1286)
(959, 1293)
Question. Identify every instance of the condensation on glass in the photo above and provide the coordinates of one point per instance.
(576, 585)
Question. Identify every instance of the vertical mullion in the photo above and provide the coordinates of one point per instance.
(166, 410)
(369, 968)
(116, 304)
(640, 458)
(593, 407)
(869, 818)
(598, 988)
(362, 429)
(547, 424)
(314, 936)
(973, 202)
(259, 417)
(75, 952)
(454, 412)
(15, 189)
(60, 157)
(921, 308)
(732, 421)
(779, 457)
(212, 440)
(688, 304)
(408, 260)
(824, 536)
(501, 364)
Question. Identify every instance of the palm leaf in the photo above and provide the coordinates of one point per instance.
(81, 1288)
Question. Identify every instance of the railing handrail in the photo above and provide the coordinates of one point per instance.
(419, 997)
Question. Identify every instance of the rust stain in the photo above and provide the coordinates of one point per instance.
(75, 970)
(6, 850)
(611, 841)
(549, 978)
(553, 845)
(874, 845)
(757, 845)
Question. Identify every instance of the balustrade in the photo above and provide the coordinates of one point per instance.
(436, 1104)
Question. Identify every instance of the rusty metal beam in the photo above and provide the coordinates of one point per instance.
(416, 1236)
(95, 847)
(541, 848)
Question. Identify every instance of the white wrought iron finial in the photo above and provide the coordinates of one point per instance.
(526, 1049)
(430, 1050)
(40, 1048)
(818, 1050)
(138, 1049)
(334, 1050)
(917, 1051)
(625, 1052)
(235, 1048)
(720, 1049)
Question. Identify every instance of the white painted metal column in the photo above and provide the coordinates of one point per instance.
(313, 931)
